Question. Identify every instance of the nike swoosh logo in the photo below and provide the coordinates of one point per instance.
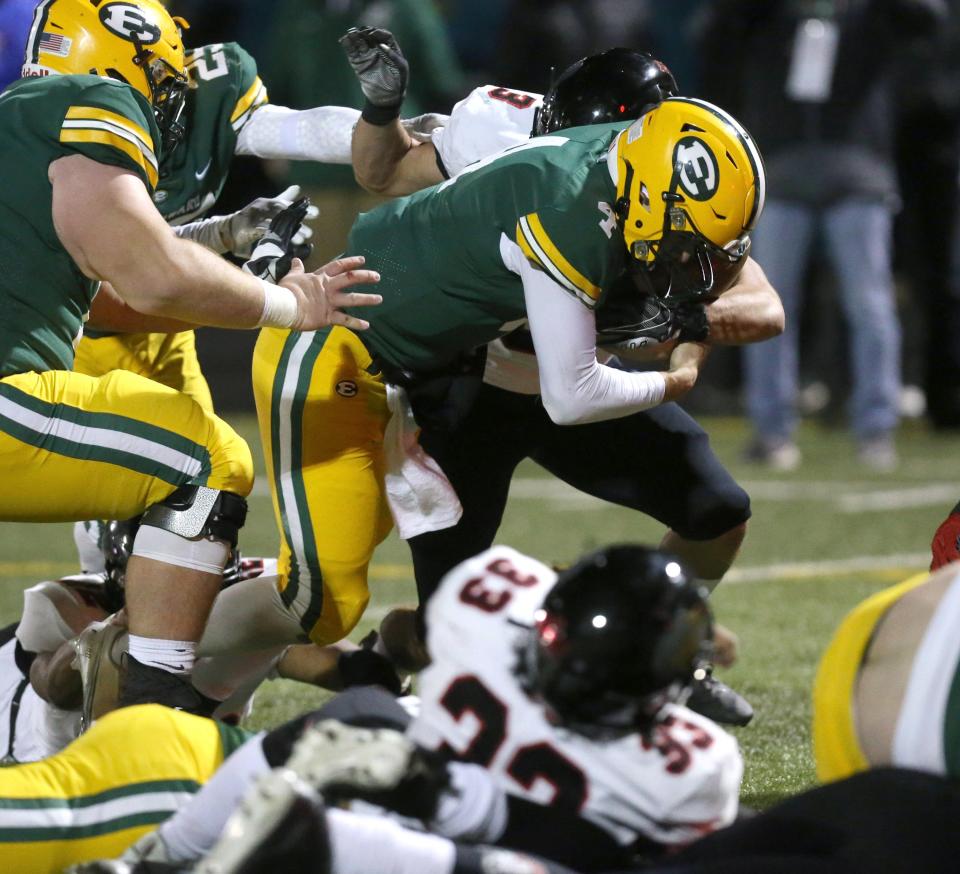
(200, 174)
(180, 667)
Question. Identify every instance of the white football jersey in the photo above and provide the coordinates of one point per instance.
(677, 786)
(486, 121)
(39, 729)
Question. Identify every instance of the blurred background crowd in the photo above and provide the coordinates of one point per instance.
(855, 105)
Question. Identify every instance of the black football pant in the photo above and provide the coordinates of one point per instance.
(658, 462)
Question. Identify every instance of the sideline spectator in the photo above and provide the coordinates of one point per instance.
(815, 87)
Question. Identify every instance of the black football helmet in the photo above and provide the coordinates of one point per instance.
(617, 637)
(613, 85)
(116, 546)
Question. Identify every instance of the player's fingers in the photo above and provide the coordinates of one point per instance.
(296, 266)
(342, 265)
(336, 284)
(290, 195)
(354, 299)
(312, 212)
(351, 322)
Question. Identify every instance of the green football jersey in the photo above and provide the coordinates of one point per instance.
(224, 94)
(44, 297)
(441, 251)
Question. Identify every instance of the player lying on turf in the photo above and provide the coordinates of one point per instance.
(564, 691)
(886, 691)
(677, 479)
(78, 212)
(62, 663)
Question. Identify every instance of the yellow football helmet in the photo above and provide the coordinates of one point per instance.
(690, 188)
(135, 41)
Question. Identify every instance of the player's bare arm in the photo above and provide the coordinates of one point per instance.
(749, 311)
(110, 312)
(387, 160)
(156, 273)
(55, 680)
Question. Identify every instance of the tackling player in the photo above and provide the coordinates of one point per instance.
(473, 256)
(677, 478)
(77, 213)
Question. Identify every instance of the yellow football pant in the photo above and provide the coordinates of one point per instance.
(170, 359)
(836, 748)
(322, 415)
(73, 447)
(130, 772)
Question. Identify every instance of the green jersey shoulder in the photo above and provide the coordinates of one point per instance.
(43, 296)
(225, 90)
(443, 253)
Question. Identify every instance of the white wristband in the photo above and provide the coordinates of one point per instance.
(280, 308)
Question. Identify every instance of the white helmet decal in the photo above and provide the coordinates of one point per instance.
(129, 22)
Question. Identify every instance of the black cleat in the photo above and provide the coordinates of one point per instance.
(144, 684)
(714, 699)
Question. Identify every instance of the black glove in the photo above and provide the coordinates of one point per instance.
(691, 319)
(363, 667)
(272, 256)
(633, 320)
(382, 70)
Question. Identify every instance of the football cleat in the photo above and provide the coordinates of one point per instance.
(714, 699)
(99, 650)
(144, 684)
(330, 754)
(279, 826)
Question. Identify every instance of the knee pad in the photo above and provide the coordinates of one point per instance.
(198, 511)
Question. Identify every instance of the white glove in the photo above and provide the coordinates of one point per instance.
(239, 232)
(420, 127)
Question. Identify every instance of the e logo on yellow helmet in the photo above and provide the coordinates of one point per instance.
(128, 22)
(699, 173)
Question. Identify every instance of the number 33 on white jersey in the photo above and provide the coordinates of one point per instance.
(678, 785)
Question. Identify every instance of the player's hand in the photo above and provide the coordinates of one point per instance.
(243, 229)
(321, 295)
(420, 127)
(379, 64)
(274, 253)
(685, 361)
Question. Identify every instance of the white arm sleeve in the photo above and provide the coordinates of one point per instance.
(320, 134)
(574, 386)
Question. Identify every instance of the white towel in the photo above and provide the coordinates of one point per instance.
(420, 496)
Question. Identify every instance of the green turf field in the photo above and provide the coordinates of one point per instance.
(821, 538)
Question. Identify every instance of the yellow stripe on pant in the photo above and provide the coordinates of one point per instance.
(73, 447)
(131, 771)
(170, 359)
(322, 417)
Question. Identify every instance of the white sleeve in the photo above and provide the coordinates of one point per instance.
(574, 386)
(320, 134)
(482, 125)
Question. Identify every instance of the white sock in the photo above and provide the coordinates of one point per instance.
(173, 656)
(193, 830)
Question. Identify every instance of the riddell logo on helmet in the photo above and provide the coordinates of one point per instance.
(699, 174)
(128, 22)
